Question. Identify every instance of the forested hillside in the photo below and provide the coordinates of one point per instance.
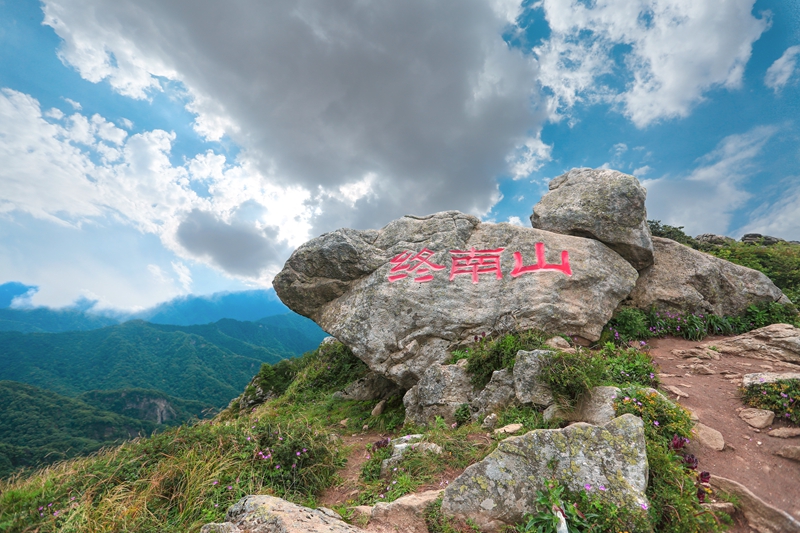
(38, 426)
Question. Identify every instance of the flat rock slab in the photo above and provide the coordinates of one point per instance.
(402, 296)
(785, 433)
(776, 342)
(500, 489)
(760, 516)
(790, 452)
(687, 281)
(758, 418)
(761, 378)
(405, 514)
(268, 514)
(708, 436)
(601, 204)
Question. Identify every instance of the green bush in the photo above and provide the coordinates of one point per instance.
(781, 397)
(329, 368)
(488, 354)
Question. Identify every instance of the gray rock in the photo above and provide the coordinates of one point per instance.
(757, 418)
(402, 445)
(785, 433)
(407, 512)
(776, 342)
(440, 392)
(372, 386)
(712, 238)
(268, 514)
(596, 406)
(496, 396)
(757, 238)
(789, 452)
(509, 429)
(599, 204)
(400, 329)
(760, 516)
(500, 489)
(708, 436)
(762, 378)
(687, 281)
(527, 387)
(490, 421)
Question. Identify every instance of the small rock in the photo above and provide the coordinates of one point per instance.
(675, 390)
(703, 369)
(785, 433)
(508, 430)
(378, 410)
(709, 437)
(553, 412)
(698, 353)
(720, 507)
(489, 422)
(758, 418)
(790, 452)
(559, 343)
(343, 423)
(408, 510)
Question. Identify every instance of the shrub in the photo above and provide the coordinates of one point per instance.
(781, 397)
(488, 354)
(329, 368)
(569, 375)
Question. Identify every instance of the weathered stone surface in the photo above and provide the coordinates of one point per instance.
(760, 516)
(599, 204)
(559, 343)
(402, 445)
(687, 281)
(708, 436)
(489, 422)
(440, 392)
(761, 378)
(401, 329)
(712, 238)
(405, 514)
(757, 238)
(700, 353)
(785, 433)
(790, 452)
(758, 418)
(496, 396)
(776, 342)
(509, 429)
(372, 386)
(267, 514)
(527, 387)
(500, 489)
(596, 406)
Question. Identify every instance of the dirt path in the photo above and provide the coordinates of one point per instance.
(748, 456)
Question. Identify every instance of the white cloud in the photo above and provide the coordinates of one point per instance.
(704, 200)
(515, 221)
(641, 171)
(184, 275)
(426, 97)
(781, 70)
(75, 105)
(779, 218)
(677, 50)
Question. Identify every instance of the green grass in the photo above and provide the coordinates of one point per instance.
(781, 397)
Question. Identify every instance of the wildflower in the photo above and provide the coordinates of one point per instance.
(304, 450)
(215, 483)
(678, 442)
(602, 487)
(298, 454)
(40, 508)
(587, 487)
(277, 467)
(248, 438)
(705, 477)
(783, 395)
(294, 465)
(655, 422)
(216, 505)
(230, 487)
(644, 506)
(690, 461)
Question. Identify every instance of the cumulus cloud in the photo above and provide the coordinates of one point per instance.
(781, 70)
(781, 217)
(704, 200)
(422, 99)
(666, 52)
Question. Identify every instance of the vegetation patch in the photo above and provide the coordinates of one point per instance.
(781, 397)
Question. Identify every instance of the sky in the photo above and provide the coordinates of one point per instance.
(154, 149)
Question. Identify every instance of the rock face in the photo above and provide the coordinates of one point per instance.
(762, 378)
(405, 514)
(267, 514)
(400, 297)
(440, 392)
(687, 281)
(500, 489)
(527, 387)
(776, 342)
(760, 516)
(495, 397)
(712, 238)
(599, 204)
(372, 386)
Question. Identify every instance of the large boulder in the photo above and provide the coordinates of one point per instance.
(400, 297)
(687, 281)
(441, 390)
(776, 342)
(599, 204)
(268, 514)
(501, 489)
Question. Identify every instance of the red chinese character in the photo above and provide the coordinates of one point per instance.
(402, 266)
(540, 264)
(475, 262)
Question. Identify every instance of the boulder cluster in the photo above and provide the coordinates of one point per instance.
(402, 298)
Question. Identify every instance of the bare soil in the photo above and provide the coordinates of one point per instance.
(749, 454)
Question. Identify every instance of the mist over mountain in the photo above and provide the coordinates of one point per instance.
(15, 315)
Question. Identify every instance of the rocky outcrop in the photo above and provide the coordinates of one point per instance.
(402, 445)
(372, 386)
(495, 397)
(757, 238)
(684, 280)
(400, 297)
(527, 386)
(492, 492)
(760, 516)
(440, 392)
(712, 238)
(599, 204)
(776, 342)
(406, 514)
(268, 514)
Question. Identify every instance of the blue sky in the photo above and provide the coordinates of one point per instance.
(150, 149)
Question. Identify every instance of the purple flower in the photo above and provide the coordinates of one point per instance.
(277, 467)
(602, 487)
(587, 487)
(298, 454)
(655, 422)
(705, 477)
(644, 506)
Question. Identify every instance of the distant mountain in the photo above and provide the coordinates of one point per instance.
(145, 404)
(39, 426)
(209, 364)
(182, 311)
(189, 310)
